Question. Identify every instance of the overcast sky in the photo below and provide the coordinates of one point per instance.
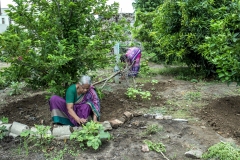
(125, 5)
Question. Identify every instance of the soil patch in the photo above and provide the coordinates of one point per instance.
(214, 117)
(223, 115)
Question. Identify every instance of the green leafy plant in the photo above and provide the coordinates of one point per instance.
(158, 147)
(99, 93)
(3, 82)
(152, 129)
(3, 131)
(90, 135)
(39, 137)
(145, 69)
(16, 88)
(132, 93)
(3, 128)
(4, 119)
(154, 81)
(222, 151)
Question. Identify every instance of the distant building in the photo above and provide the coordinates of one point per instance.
(5, 21)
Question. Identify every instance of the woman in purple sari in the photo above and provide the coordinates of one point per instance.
(132, 57)
(80, 103)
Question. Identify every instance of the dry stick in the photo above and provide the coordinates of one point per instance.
(164, 155)
(106, 79)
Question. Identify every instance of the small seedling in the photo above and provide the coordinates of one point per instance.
(132, 93)
(4, 119)
(3, 131)
(39, 137)
(154, 81)
(16, 88)
(152, 129)
(158, 147)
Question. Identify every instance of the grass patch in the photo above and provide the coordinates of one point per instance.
(182, 73)
(192, 96)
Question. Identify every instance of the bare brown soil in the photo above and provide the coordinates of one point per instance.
(213, 116)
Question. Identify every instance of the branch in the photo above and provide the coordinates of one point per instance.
(106, 79)
(164, 155)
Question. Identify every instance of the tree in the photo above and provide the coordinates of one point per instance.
(202, 34)
(53, 42)
(222, 46)
(145, 11)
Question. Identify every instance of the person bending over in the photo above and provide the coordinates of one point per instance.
(132, 58)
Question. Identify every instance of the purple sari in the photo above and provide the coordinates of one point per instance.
(88, 105)
(133, 56)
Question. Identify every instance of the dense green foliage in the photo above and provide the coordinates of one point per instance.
(202, 34)
(222, 151)
(222, 46)
(52, 43)
(147, 5)
(145, 12)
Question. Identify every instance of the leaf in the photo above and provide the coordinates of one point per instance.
(104, 135)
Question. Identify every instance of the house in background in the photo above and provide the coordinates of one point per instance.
(5, 21)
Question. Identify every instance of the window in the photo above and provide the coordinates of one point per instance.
(3, 21)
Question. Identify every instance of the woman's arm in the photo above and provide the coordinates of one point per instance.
(74, 115)
(95, 118)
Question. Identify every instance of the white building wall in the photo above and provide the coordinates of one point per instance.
(4, 20)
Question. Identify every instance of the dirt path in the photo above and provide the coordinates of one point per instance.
(212, 111)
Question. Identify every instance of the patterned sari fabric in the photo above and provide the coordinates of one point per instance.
(87, 105)
(133, 56)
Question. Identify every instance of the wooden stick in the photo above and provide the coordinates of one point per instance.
(106, 79)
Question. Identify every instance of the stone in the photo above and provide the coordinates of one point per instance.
(194, 154)
(115, 123)
(136, 123)
(72, 129)
(34, 129)
(123, 119)
(139, 123)
(8, 126)
(159, 116)
(137, 114)
(167, 117)
(128, 115)
(62, 131)
(17, 128)
(145, 148)
(180, 120)
(13, 135)
(107, 126)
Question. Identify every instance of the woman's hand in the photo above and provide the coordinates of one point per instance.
(95, 118)
(81, 120)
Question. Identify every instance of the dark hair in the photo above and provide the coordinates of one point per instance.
(123, 58)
